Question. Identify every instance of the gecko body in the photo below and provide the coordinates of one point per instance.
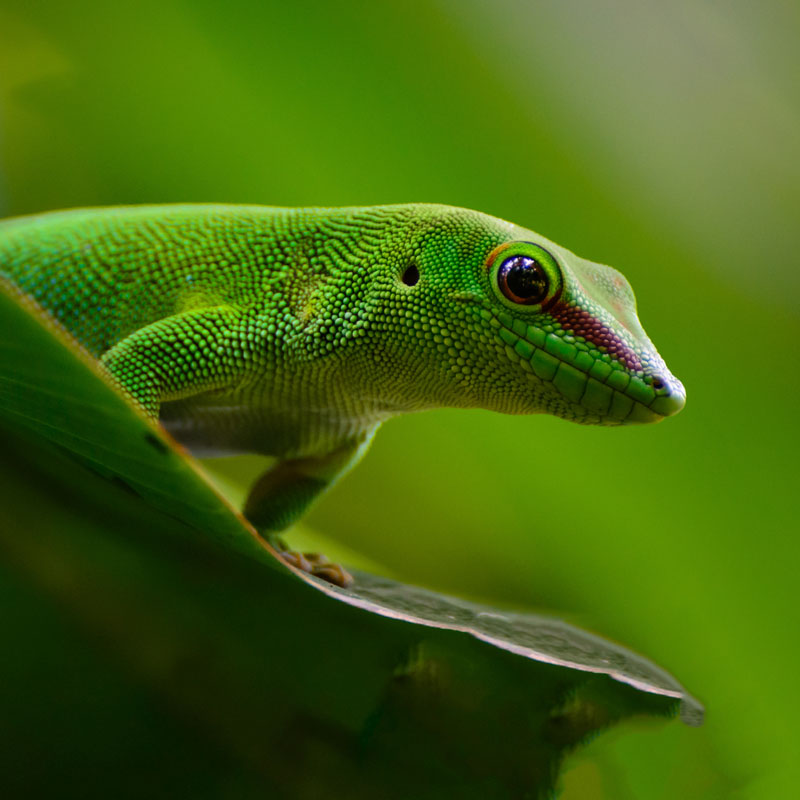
(297, 332)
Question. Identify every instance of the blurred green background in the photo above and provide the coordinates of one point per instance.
(659, 138)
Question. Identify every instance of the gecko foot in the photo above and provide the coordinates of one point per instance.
(318, 565)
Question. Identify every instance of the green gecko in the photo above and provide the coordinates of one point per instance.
(296, 332)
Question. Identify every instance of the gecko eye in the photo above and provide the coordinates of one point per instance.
(523, 280)
(525, 274)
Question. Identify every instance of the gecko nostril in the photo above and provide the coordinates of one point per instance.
(659, 383)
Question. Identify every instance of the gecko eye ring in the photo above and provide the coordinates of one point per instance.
(524, 274)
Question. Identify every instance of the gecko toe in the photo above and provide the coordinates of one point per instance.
(318, 565)
(333, 573)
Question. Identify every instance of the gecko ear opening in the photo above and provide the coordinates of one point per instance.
(411, 275)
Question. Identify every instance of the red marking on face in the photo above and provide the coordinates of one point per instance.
(581, 323)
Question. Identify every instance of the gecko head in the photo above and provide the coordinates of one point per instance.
(534, 328)
(573, 324)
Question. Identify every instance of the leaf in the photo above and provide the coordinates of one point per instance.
(269, 677)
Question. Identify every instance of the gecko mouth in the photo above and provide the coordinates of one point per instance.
(599, 390)
(602, 392)
(619, 409)
(634, 407)
(669, 400)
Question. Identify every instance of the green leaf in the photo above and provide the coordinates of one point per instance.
(269, 679)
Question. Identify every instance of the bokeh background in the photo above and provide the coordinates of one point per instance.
(661, 138)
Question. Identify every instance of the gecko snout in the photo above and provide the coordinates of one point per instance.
(671, 395)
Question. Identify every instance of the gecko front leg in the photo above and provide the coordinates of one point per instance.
(178, 356)
(195, 352)
(284, 493)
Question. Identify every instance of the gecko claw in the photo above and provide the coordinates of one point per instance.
(318, 565)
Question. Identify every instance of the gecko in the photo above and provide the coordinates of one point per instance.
(295, 333)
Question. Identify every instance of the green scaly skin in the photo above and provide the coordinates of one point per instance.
(296, 332)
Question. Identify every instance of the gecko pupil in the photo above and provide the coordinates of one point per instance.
(523, 280)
